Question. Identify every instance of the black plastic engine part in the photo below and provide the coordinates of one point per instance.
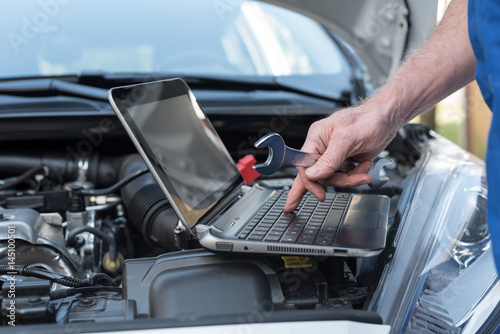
(76, 202)
(147, 206)
(194, 286)
(25, 300)
(407, 144)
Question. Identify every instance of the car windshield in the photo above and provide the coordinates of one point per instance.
(192, 37)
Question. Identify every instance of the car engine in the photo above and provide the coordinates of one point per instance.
(92, 239)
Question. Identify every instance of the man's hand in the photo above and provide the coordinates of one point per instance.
(442, 65)
(359, 133)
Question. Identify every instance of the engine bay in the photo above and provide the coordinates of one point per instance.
(91, 238)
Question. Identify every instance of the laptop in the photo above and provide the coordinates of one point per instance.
(202, 183)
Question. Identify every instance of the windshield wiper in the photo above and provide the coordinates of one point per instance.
(318, 86)
(287, 84)
(322, 87)
(44, 85)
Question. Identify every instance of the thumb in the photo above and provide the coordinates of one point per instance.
(323, 168)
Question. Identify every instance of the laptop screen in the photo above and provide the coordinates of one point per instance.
(186, 154)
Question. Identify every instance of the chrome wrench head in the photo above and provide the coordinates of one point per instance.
(277, 149)
(378, 180)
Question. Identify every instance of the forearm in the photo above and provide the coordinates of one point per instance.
(442, 65)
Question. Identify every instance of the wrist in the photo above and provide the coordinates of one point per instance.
(390, 103)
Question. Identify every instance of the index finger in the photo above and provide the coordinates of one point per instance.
(299, 188)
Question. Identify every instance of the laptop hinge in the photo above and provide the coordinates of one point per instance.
(222, 206)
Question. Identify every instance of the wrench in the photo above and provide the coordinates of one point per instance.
(281, 155)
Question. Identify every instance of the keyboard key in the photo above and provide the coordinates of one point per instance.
(326, 240)
(284, 220)
(247, 230)
(255, 237)
(307, 236)
(272, 238)
(305, 241)
(262, 228)
(242, 235)
(280, 233)
(296, 228)
(289, 238)
(323, 242)
(326, 234)
(259, 233)
(298, 223)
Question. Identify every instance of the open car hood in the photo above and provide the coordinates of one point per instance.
(379, 30)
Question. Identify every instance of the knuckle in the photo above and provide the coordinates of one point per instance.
(315, 126)
(328, 162)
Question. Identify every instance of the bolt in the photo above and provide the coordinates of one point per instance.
(86, 301)
(385, 41)
(78, 242)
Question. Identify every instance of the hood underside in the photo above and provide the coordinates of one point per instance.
(380, 31)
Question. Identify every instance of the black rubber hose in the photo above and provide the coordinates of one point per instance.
(113, 252)
(148, 208)
(21, 270)
(117, 186)
(14, 181)
(102, 279)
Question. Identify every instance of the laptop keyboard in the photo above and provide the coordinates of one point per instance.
(309, 224)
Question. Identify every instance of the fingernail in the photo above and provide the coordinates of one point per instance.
(312, 171)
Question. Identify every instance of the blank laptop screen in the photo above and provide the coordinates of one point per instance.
(182, 147)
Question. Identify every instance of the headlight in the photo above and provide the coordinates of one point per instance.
(442, 278)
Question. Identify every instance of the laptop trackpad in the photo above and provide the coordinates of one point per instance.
(366, 229)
